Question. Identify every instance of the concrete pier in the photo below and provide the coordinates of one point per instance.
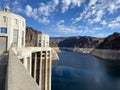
(41, 69)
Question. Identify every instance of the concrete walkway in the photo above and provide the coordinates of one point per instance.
(3, 70)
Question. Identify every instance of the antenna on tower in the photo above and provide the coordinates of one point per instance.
(6, 9)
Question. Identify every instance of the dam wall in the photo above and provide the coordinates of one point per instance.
(107, 54)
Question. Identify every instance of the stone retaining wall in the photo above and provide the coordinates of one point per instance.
(107, 54)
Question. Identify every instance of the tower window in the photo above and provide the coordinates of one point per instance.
(4, 19)
(15, 38)
(16, 21)
(3, 30)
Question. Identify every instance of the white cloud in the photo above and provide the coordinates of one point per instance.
(67, 30)
(92, 30)
(77, 2)
(16, 6)
(92, 2)
(64, 30)
(86, 13)
(81, 15)
(111, 8)
(56, 2)
(47, 9)
(102, 35)
(44, 20)
(66, 4)
(30, 12)
(96, 15)
(60, 22)
(35, 13)
(117, 19)
(42, 12)
(73, 3)
(99, 15)
(114, 25)
(97, 29)
(104, 22)
(96, 9)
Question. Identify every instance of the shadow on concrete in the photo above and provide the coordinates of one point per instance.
(3, 70)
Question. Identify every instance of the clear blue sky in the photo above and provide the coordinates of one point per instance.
(97, 18)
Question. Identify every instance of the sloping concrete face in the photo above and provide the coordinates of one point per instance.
(18, 77)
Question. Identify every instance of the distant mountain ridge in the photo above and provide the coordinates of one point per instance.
(58, 39)
(111, 42)
(79, 41)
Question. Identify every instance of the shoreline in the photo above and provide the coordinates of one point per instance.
(106, 54)
(101, 53)
(81, 50)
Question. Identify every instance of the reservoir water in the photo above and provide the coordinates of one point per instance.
(77, 71)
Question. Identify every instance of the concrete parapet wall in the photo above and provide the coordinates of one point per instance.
(55, 51)
(18, 78)
(107, 54)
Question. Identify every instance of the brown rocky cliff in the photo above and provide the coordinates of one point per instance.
(53, 43)
(111, 42)
(81, 42)
(31, 35)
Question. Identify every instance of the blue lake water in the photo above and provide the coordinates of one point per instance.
(77, 71)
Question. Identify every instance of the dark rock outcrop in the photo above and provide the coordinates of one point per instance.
(58, 39)
(111, 42)
(53, 43)
(30, 37)
(81, 42)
